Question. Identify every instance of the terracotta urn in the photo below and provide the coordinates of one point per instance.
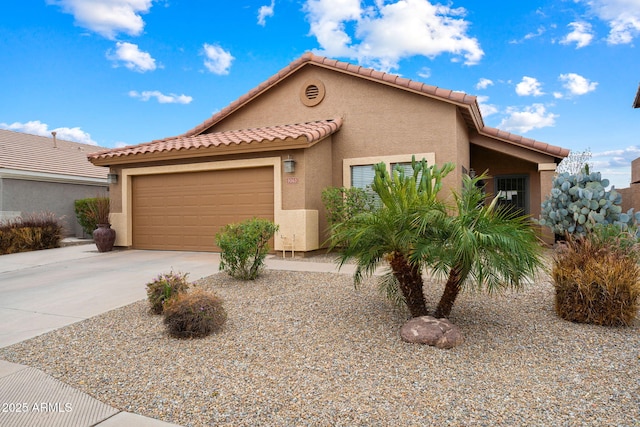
(104, 237)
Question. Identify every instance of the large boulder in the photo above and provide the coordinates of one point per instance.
(429, 330)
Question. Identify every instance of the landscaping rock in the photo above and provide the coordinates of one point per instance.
(429, 330)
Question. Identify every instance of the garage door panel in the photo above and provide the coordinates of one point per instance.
(184, 211)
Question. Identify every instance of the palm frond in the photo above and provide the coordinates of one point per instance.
(388, 287)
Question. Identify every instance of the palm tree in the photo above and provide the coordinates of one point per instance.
(389, 232)
(487, 246)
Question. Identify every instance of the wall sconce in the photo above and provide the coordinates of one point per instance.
(112, 178)
(289, 165)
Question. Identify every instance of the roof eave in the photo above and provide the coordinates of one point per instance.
(50, 177)
(212, 151)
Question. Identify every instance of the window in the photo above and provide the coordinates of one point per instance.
(513, 192)
(359, 172)
(362, 176)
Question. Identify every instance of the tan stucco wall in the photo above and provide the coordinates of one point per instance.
(378, 120)
(318, 175)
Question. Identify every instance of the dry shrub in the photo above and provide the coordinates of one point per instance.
(164, 287)
(597, 279)
(194, 314)
(30, 232)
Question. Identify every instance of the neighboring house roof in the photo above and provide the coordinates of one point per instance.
(311, 133)
(467, 105)
(37, 157)
(636, 102)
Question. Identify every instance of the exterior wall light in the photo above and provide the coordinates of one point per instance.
(112, 178)
(289, 165)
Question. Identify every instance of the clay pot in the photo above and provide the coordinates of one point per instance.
(104, 237)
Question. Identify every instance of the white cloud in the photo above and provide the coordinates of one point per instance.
(558, 95)
(107, 17)
(531, 117)
(529, 86)
(576, 84)
(387, 32)
(425, 72)
(264, 12)
(484, 83)
(616, 164)
(620, 157)
(540, 31)
(218, 60)
(582, 34)
(485, 108)
(36, 127)
(172, 98)
(132, 57)
(622, 16)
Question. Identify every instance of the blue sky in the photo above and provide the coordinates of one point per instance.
(120, 72)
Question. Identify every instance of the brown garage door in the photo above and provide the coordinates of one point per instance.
(184, 211)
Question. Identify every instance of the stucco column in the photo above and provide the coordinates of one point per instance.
(547, 172)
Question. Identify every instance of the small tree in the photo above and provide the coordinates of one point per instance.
(578, 202)
(408, 204)
(575, 162)
(484, 245)
(244, 247)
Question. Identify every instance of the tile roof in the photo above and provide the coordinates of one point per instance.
(312, 132)
(467, 103)
(33, 153)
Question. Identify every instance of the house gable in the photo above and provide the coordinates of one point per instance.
(467, 104)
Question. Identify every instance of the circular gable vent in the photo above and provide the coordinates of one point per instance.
(312, 93)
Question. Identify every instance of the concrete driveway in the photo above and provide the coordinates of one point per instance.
(44, 290)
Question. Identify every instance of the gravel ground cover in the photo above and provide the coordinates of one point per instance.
(307, 349)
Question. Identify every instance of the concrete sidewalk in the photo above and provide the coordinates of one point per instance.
(46, 290)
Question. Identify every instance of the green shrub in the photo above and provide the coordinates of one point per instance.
(597, 277)
(92, 211)
(244, 247)
(194, 314)
(30, 232)
(343, 203)
(164, 287)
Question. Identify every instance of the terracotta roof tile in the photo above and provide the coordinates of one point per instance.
(312, 131)
(33, 153)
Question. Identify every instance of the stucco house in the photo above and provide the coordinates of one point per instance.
(40, 174)
(317, 123)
